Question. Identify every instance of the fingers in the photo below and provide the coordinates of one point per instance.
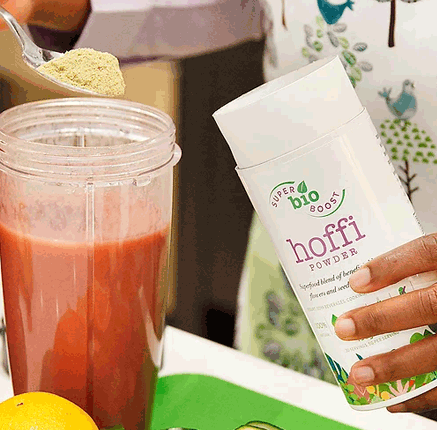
(414, 309)
(424, 402)
(409, 310)
(405, 362)
(20, 9)
(65, 15)
(417, 256)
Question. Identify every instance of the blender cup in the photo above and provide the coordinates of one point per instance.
(85, 212)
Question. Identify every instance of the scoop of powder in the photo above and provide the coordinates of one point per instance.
(89, 69)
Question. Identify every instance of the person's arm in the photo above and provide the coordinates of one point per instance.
(137, 29)
(414, 309)
(141, 29)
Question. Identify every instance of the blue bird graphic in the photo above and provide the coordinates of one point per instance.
(405, 106)
(333, 12)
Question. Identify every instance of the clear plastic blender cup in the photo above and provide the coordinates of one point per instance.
(85, 212)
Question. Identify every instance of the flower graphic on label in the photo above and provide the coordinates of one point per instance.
(400, 389)
(359, 395)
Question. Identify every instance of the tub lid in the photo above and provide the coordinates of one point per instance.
(288, 112)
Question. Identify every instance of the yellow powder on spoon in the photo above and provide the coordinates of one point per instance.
(88, 69)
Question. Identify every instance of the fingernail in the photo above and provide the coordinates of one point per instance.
(345, 327)
(360, 278)
(364, 375)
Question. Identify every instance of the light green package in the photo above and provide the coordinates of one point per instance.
(271, 324)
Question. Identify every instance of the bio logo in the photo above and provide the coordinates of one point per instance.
(300, 197)
(305, 197)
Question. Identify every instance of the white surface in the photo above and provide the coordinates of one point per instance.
(288, 112)
(5, 387)
(5, 382)
(186, 353)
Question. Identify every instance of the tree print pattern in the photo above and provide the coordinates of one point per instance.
(406, 144)
(391, 31)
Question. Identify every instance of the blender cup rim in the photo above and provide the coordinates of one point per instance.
(38, 106)
(146, 134)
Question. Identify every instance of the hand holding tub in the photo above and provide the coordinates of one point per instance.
(406, 311)
(321, 242)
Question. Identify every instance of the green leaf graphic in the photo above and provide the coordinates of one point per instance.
(333, 319)
(305, 52)
(349, 57)
(416, 337)
(320, 22)
(318, 46)
(302, 187)
(343, 42)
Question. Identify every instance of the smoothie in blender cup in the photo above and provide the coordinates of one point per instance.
(85, 217)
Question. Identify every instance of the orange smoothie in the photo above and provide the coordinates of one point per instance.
(85, 321)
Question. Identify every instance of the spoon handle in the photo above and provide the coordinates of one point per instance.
(32, 54)
(16, 28)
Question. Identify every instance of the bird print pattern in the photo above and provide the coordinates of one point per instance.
(406, 142)
(405, 106)
(333, 12)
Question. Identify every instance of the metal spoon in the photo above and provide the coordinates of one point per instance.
(34, 56)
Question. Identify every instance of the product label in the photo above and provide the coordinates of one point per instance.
(329, 210)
